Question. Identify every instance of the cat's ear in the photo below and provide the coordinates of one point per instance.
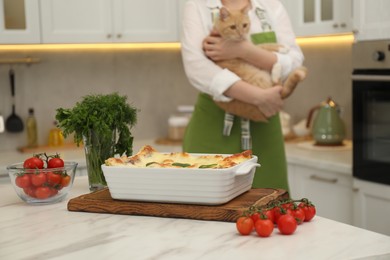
(223, 13)
(246, 9)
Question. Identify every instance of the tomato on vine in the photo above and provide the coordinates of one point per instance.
(298, 213)
(244, 225)
(55, 162)
(287, 224)
(38, 179)
(53, 178)
(308, 208)
(34, 162)
(23, 181)
(264, 226)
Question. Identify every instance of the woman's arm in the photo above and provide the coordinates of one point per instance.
(208, 77)
(219, 49)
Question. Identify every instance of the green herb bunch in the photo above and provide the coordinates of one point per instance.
(103, 114)
(103, 123)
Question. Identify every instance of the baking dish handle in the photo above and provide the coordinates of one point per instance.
(246, 168)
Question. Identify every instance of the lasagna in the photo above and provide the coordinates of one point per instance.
(148, 157)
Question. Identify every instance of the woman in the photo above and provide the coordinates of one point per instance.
(201, 47)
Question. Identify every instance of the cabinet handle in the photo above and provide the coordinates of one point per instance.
(343, 25)
(355, 31)
(318, 178)
(355, 189)
(119, 35)
(108, 36)
(335, 25)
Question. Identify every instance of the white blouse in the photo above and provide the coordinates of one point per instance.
(202, 72)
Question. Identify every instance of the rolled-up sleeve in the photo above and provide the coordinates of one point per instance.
(208, 77)
(285, 36)
(202, 73)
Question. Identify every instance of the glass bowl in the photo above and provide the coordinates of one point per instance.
(42, 186)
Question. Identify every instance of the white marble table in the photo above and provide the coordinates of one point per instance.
(52, 232)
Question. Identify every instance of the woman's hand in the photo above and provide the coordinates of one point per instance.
(218, 49)
(269, 101)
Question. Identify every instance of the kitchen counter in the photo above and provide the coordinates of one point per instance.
(52, 232)
(335, 159)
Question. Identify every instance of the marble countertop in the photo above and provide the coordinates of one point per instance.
(53, 232)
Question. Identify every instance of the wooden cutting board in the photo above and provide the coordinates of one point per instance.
(101, 202)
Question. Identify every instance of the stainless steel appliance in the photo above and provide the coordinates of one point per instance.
(371, 110)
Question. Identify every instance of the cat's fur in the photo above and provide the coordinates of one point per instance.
(234, 25)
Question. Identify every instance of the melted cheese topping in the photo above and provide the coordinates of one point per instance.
(150, 158)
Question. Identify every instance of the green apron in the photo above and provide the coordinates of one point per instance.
(204, 135)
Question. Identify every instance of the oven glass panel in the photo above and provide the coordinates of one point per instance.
(377, 127)
(371, 129)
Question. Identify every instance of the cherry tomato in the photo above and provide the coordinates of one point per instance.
(287, 205)
(255, 217)
(280, 211)
(287, 224)
(270, 214)
(23, 181)
(30, 191)
(309, 209)
(55, 162)
(244, 225)
(53, 178)
(65, 180)
(264, 227)
(38, 179)
(298, 214)
(33, 163)
(43, 192)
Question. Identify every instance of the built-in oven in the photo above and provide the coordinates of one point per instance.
(371, 110)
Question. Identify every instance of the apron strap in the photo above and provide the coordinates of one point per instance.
(228, 124)
(246, 140)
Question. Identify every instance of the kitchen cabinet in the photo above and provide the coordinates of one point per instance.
(330, 191)
(371, 20)
(106, 21)
(319, 17)
(372, 206)
(19, 21)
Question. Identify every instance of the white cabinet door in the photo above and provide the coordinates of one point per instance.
(94, 21)
(75, 21)
(372, 206)
(371, 19)
(331, 192)
(19, 21)
(319, 17)
(145, 21)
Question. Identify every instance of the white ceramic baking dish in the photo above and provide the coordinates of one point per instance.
(180, 185)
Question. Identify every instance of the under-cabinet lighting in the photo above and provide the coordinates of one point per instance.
(331, 39)
(95, 46)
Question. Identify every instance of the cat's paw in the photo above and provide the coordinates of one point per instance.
(276, 73)
(301, 73)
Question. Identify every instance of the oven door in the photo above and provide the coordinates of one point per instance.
(371, 125)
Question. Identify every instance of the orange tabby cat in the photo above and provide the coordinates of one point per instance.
(234, 25)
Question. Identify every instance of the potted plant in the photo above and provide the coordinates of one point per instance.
(102, 123)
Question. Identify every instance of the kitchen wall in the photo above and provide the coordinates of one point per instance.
(154, 82)
(330, 71)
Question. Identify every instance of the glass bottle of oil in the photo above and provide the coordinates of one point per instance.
(55, 136)
(32, 135)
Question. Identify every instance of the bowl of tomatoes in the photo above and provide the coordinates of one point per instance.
(42, 179)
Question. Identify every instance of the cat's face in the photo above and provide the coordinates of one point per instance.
(234, 24)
